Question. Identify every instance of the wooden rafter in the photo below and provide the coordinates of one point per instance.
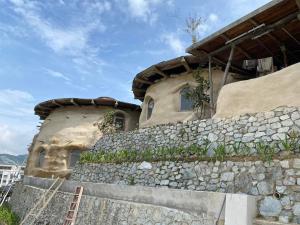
(73, 102)
(93, 102)
(243, 51)
(56, 103)
(219, 61)
(140, 80)
(160, 72)
(298, 3)
(290, 35)
(256, 32)
(185, 64)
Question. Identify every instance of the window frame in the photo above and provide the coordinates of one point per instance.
(150, 100)
(122, 116)
(181, 98)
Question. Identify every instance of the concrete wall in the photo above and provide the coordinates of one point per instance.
(166, 96)
(260, 94)
(270, 127)
(276, 184)
(65, 130)
(126, 205)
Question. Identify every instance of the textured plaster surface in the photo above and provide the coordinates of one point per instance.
(65, 130)
(260, 94)
(166, 96)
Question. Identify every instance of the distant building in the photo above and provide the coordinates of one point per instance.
(8, 172)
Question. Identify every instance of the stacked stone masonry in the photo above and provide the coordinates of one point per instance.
(95, 210)
(268, 126)
(276, 184)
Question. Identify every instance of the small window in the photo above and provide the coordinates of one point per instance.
(119, 121)
(150, 108)
(186, 104)
(41, 158)
(74, 158)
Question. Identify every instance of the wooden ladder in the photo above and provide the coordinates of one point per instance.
(42, 203)
(72, 212)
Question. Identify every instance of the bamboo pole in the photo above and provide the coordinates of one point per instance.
(211, 91)
(228, 65)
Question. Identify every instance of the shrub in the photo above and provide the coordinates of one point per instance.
(265, 151)
(7, 216)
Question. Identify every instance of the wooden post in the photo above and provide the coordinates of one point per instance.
(228, 65)
(285, 60)
(211, 91)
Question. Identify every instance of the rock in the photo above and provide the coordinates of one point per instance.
(212, 137)
(296, 209)
(228, 176)
(285, 164)
(296, 163)
(264, 188)
(270, 207)
(145, 166)
(164, 183)
(243, 183)
(287, 123)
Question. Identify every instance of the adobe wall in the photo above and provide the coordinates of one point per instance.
(276, 184)
(67, 129)
(166, 96)
(269, 126)
(260, 94)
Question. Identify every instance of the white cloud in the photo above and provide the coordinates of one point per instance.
(174, 42)
(57, 74)
(213, 17)
(15, 140)
(146, 10)
(16, 121)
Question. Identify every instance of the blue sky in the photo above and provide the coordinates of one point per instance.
(89, 48)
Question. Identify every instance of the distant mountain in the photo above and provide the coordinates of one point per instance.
(12, 159)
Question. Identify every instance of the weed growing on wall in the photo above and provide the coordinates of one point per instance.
(107, 126)
(221, 152)
(7, 216)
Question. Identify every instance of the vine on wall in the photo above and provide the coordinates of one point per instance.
(107, 126)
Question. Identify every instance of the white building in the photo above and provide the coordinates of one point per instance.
(8, 172)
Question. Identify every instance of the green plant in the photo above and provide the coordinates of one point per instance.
(220, 152)
(265, 151)
(198, 95)
(236, 148)
(7, 216)
(245, 150)
(107, 126)
(130, 180)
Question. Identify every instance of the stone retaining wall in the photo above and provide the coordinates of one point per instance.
(276, 184)
(112, 204)
(269, 126)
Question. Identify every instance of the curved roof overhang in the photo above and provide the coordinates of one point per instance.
(163, 70)
(43, 109)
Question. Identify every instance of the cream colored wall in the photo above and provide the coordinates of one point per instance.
(67, 129)
(166, 96)
(281, 88)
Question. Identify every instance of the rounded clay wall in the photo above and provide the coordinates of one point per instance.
(65, 130)
(281, 88)
(166, 96)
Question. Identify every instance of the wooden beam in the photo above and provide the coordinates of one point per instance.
(143, 81)
(238, 48)
(285, 60)
(185, 64)
(211, 91)
(93, 102)
(219, 61)
(290, 35)
(73, 102)
(139, 90)
(257, 32)
(56, 103)
(160, 72)
(228, 65)
(298, 3)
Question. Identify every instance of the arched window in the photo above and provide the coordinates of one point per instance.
(119, 121)
(186, 104)
(74, 158)
(41, 158)
(150, 107)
